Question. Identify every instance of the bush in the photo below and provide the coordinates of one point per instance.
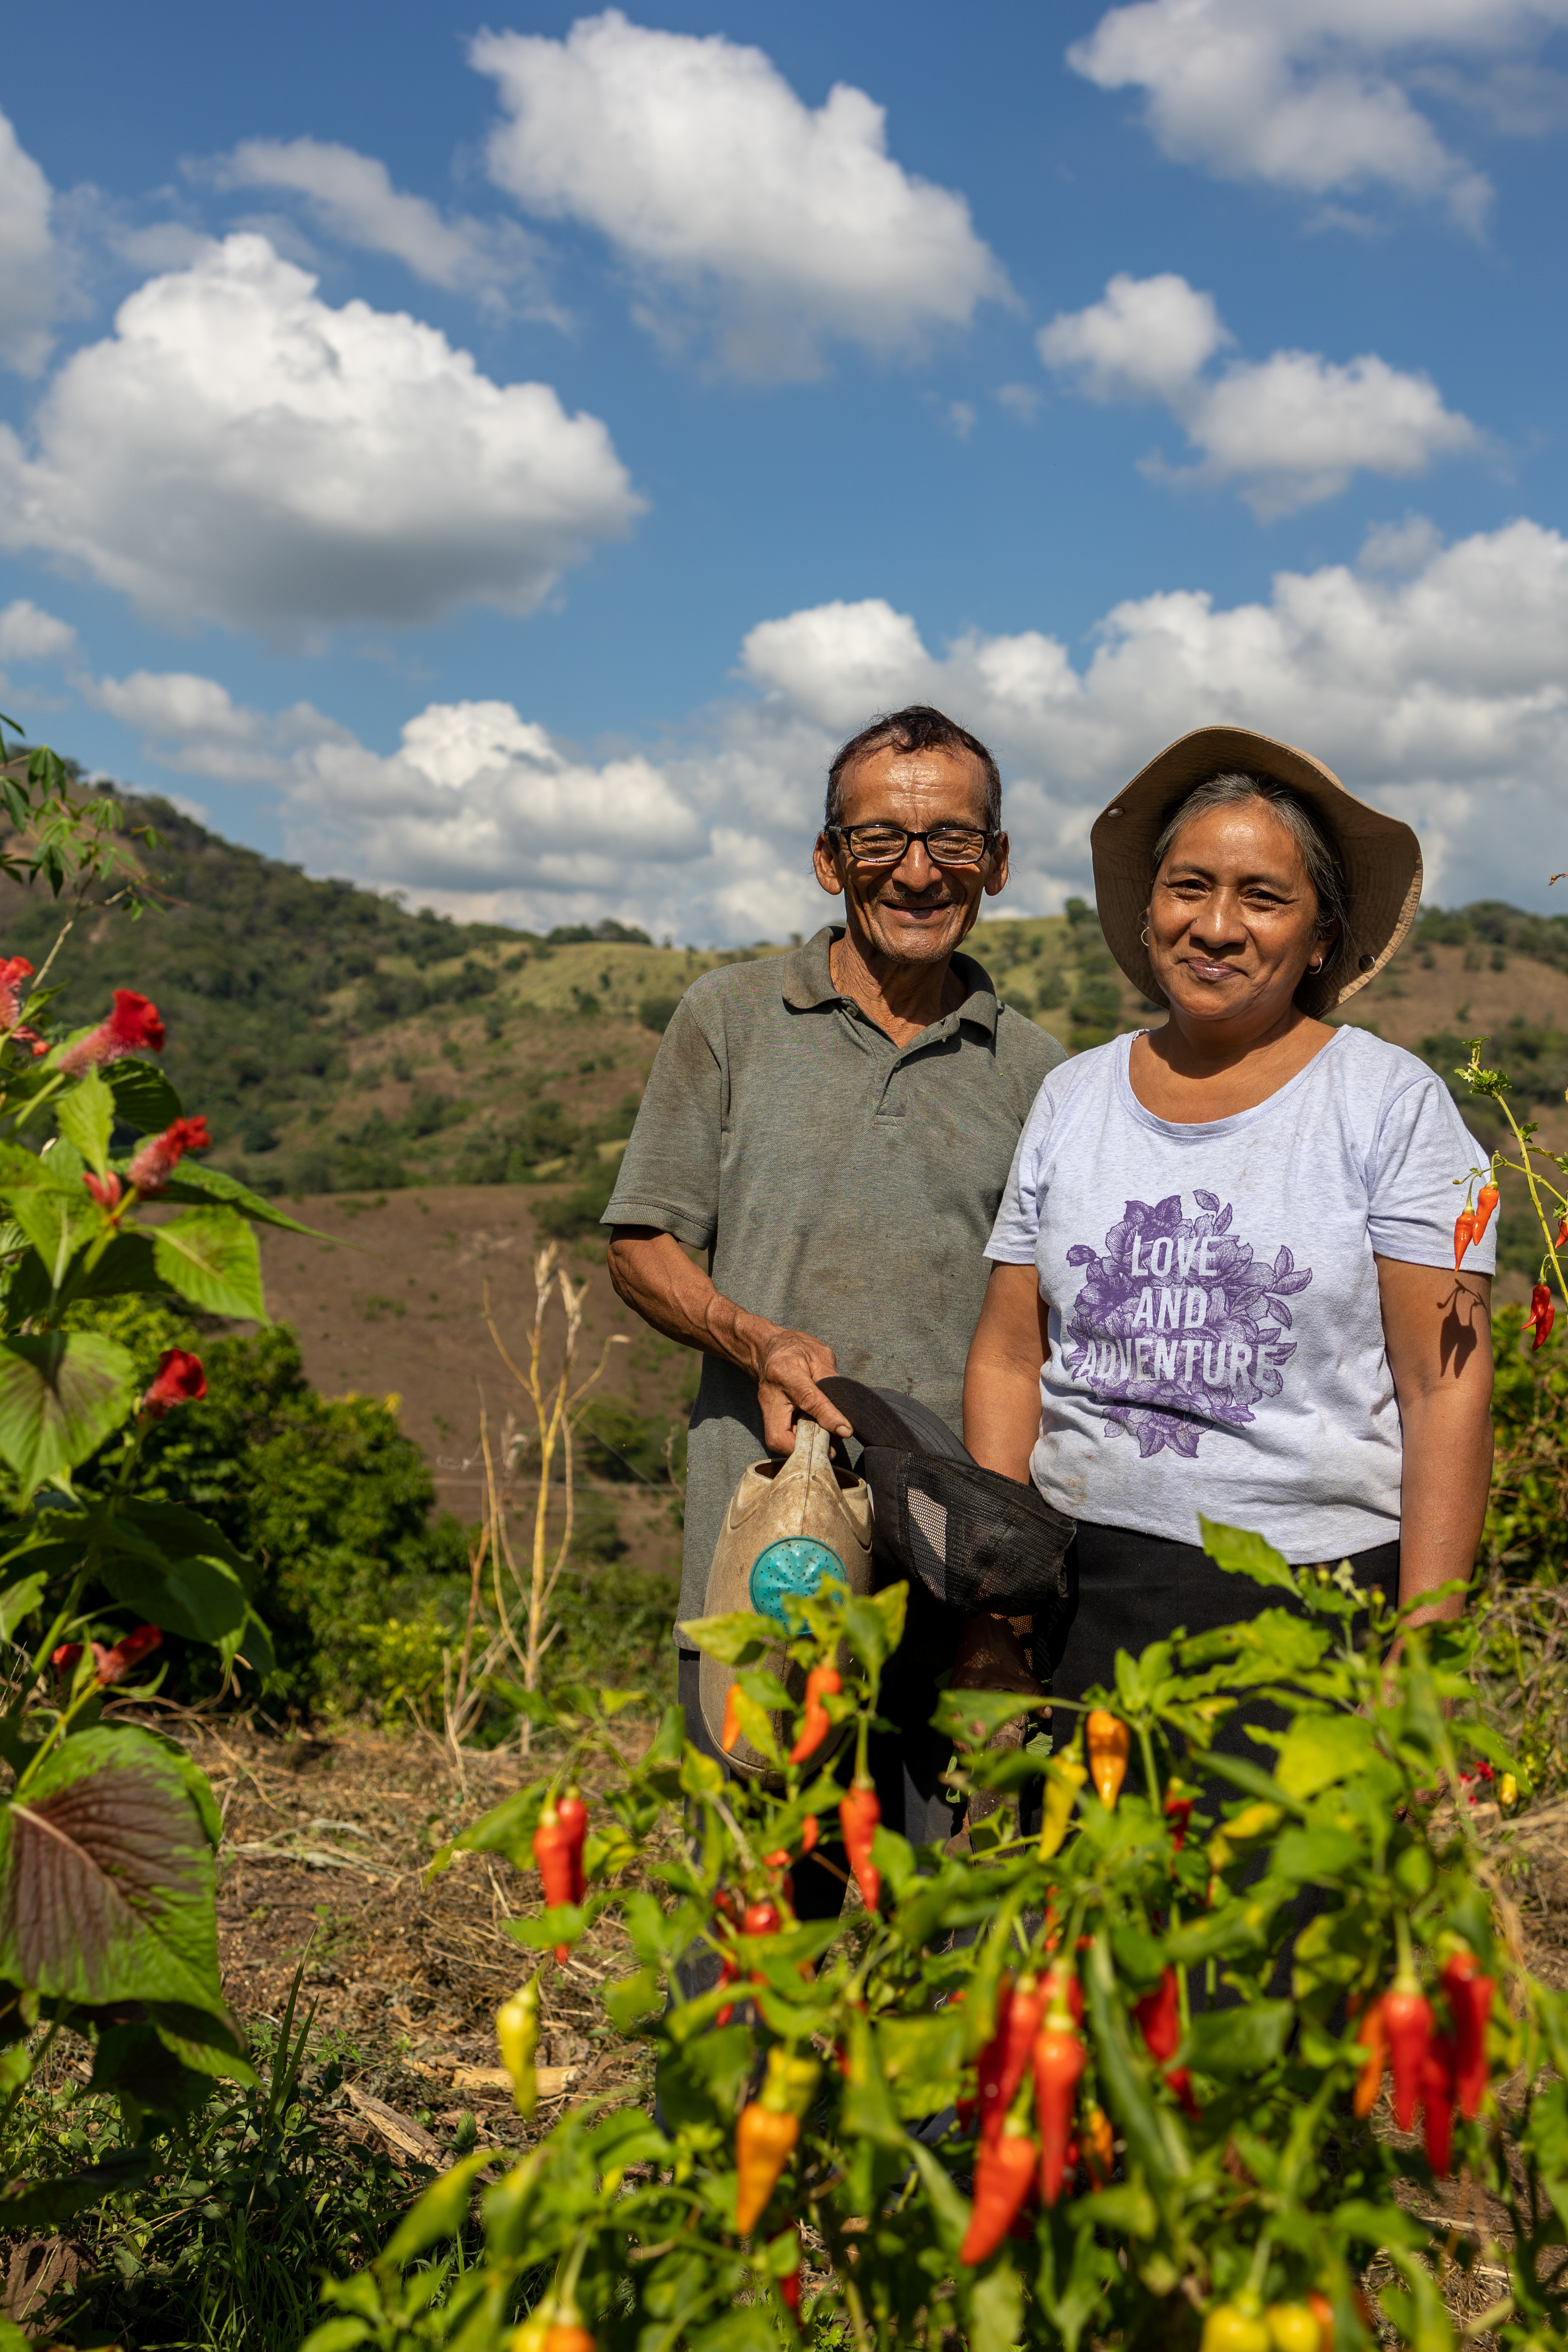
(579, 1213)
(657, 1013)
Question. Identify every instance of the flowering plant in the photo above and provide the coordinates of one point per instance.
(1120, 2080)
(106, 1831)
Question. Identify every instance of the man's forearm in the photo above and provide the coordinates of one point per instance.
(653, 1274)
(1443, 1499)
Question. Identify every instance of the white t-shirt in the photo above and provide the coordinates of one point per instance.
(1216, 1341)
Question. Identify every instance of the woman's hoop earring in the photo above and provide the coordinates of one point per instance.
(1315, 968)
(1144, 937)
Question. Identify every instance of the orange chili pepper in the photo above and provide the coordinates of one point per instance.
(569, 2339)
(1098, 2147)
(764, 2142)
(730, 1730)
(1108, 1742)
(859, 1815)
(822, 1682)
(1372, 2036)
(1464, 1235)
(1003, 2176)
(1059, 2060)
(1486, 1202)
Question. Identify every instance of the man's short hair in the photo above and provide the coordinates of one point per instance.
(918, 728)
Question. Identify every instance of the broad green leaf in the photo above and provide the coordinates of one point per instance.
(169, 1529)
(631, 1999)
(1152, 2135)
(1320, 1857)
(134, 2064)
(1232, 2043)
(106, 1878)
(738, 1639)
(919, 2059)
(28, 2207)
(1320, 1750)
(206, 2043)
(874, 1625)
(336, 2336)
(1241, 1553)
(60, 1397)
(970, 1718)
(19, 1601)
(56, 1221)
(867, 2112)
(210, 1256)
(196, 1183)
(996, 2309)
(202, 1598)
(143, 1097)
(85, 1116)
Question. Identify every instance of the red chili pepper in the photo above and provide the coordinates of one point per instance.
(809, 1834)
(1541, 1315)
(1158, 2015)
(558, 1851)
(1059, 2062)
(1437, 2097)
(822, 1682)
(1407, 2022)
(1004, 2060)
(789, 2292)
(859, 1815)
(1464, 1235)
(1561, 1235)
(729, 1974)
(1003, 2176)
(1470, 2005)
(761, 1919)
(1180, 2083)
(1486, 1202)
(1372, 2036)
(1178, 1812)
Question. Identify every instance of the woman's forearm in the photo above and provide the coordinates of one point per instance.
(1001, 1376)
(1443, 1491)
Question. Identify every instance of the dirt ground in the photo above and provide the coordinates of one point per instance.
(391, 1301)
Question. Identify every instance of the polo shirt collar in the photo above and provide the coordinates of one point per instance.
(807, 981)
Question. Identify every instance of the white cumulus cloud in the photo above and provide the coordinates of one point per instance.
(1428, 677)
(27, 633)
(778, 228)
(1314, 95)
(239, 450)
(33, 267)
(1291, 429)
(352, 197)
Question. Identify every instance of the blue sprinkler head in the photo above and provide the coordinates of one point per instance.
(798, 1564)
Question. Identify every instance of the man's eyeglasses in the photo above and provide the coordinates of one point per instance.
(886, 844)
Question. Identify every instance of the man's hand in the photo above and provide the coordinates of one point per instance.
(653, 1274)
(788, 1365)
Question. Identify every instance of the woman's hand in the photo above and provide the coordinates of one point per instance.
(1436, 1327)
(1001, 1376)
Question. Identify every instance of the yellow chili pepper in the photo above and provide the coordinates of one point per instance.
(1109, 1742)
(1507, 1791)
(517, 2031)
(1255, 1821)
(1065, 1775)
(791, 2084)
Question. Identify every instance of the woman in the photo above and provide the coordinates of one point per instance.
(1223, 1272)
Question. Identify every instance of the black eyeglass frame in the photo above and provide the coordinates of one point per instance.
(989, 836)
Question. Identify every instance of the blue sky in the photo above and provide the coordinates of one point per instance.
(499, 458)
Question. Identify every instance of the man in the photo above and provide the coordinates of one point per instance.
(834, 1127)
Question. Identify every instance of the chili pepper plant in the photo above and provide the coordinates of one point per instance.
(106, 1831)
(1115, 2081)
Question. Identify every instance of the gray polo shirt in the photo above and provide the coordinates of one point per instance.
(839, 1183)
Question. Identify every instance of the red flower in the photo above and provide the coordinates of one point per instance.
(134, 1026)
(180, 1380)
(105, 1189)
(64, 1659)
(158, 1158)
(12, 972)
(113, 1665)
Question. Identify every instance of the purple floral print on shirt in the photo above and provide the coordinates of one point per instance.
(1179, 1325)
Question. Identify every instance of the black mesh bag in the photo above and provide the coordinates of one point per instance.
(974, 1539)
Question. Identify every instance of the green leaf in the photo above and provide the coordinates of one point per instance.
(1229, 2043)
(210, 1256)
(970, 1718)
(1152, 2137)
(19, 1601)
(1241, 1553)
(1320, 1750)
(867, 2112)
(170, 1530)
(202, 1598)
(919, 2059)
(85, 1116)
(60, 1396)
(28, 2206)
(196, 1183)
(336, 2336)
(874, 1625)
(144, 1098)
(630, 1999)
(996, 2309)
(737, 1639)
(107, 1879)
(439, 2213)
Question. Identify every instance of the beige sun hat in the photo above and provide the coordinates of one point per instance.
(790, 1526)
(1382, 857)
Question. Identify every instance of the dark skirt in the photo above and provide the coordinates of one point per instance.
(1128, 1589)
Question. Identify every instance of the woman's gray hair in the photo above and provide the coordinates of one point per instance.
(1320, 851)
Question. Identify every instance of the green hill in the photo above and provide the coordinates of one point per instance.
(336, 1041)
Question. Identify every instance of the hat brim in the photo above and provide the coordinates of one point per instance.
(1380, 854)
